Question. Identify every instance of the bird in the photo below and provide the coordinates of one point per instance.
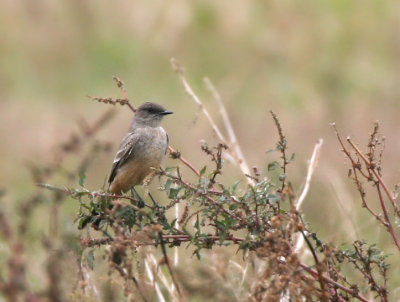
(141, 150)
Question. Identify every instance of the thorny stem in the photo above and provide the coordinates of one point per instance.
(367, 162)
(205, 195)
(364, 202)
(385, 213)
(186, 238)
(97, 194)
(318, 266)
(210, 237)
(370, 168)
(350, 291)
(171, 238)
(367, 271)
(385, 189)
(212, 200)
(282, 146)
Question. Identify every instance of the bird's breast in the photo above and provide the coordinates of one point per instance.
(152, 145)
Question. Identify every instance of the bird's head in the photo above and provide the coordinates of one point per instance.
(150, 114)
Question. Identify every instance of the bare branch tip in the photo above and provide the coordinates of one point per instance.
(177, 66)
(119, 82)
(208, 83)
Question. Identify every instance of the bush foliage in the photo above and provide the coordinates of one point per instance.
(147, 248)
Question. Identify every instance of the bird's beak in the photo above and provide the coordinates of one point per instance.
(166, 112)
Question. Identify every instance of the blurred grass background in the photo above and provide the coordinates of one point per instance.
(312, 62)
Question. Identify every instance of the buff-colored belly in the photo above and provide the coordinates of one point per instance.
(131, 174)
(145, 159)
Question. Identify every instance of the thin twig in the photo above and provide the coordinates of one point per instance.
(385, 213)
(70, 192)
(229, 129)
(379, 181)
(121, 86)
(317, 264)
(181, 73)
(88, 281)
(282, 146)
(170, 238)
(178, 68)
(176, 154)
(311, 167)
(367, 162)
(356, 180)
(152, 266)
(350, 291)
(177, 222)
(125, 275)
(166, 260)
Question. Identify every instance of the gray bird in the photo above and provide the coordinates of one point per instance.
(143, 148)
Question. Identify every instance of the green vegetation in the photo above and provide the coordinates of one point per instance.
(311, 63)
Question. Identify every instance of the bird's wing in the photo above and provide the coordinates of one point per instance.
(166, 149)
(125, 152)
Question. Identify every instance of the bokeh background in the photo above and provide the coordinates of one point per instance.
(312, 62)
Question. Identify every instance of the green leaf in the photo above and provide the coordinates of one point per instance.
(173, 192)
(102, 223)
(203, 170)
(187, 233)
(168, 184)
(222, 237)
(375, 258)
(234, 186)
(220, 225)
(197, 251)
(84, 221)
(82, 177)
(273, 197)
(273, 165)
(234, 206)
(90, 259)
(197, 225)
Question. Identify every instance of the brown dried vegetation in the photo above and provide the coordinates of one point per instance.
(279, 258)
